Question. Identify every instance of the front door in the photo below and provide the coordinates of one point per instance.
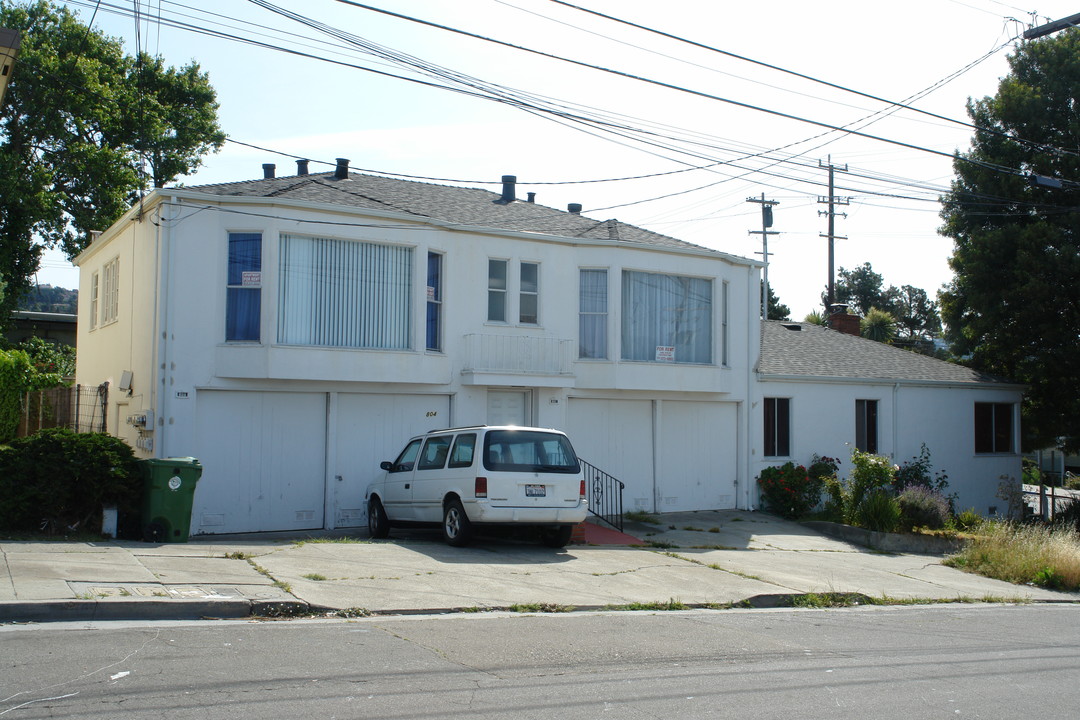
(509, 407)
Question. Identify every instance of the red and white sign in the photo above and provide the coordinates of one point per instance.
(251, 279)
(665, 353)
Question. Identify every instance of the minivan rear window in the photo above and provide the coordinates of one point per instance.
(529, 451)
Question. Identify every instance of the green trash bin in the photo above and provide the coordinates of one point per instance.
(168, 491)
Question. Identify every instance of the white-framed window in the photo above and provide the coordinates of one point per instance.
(993, 428)
(434, 301)
(724, 316)
(593, 314)
(529, 293)
(95, 290)
(243, 294)
(344, 293)
(666, 318)
(110, 291)
(496, 290)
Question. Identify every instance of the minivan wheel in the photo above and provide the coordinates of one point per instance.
(457, 530)
(377, 522)
(556, 537)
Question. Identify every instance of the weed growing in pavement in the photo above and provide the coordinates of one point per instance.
(238, 555)
(691, 528)
(315, 576)
(641, 516)
(671, 604)
(714, 529)
(540, 608)
(335, 541)
(660, 544)
(712, 547)
(1023, 554)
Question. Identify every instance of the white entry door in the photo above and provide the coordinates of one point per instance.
(509, 407)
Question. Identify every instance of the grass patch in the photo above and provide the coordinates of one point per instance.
(671, 604)
(660, 544)
(714, 529)
(1023, 554)
(691, 528)
(315, 576)
(712, 547)
(238, 555)
(641, 516)
(541, 608)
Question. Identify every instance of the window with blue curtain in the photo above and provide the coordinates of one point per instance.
(434, 301)
(666, 318)
(344, 293)
(593, 314)
(243, 300)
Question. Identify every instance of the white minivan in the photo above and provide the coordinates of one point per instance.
(483, 475)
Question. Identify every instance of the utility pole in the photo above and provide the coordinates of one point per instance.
(1052, 27)
(832, 200)
(765, 232)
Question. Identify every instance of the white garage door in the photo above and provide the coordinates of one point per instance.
(263, 457)
(698, 453)
(616, 436)
(372, 428)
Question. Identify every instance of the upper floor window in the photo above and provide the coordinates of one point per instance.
(434, 301)
(593, 314)
(724, 317)
(95, 289)
(243, 295)
(777, 427)
(344, 293)
(496, 291)
(993, 427)
(866, 430)
(110, 291)
(529, 293)
(666, 318)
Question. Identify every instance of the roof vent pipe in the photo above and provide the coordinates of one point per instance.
(341, 172)
(301, 167)
(574, 208)
(509, 193)
(268, 171)
(532, 197)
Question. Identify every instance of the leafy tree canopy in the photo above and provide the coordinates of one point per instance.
(80, 121)
(777, 310)
(915, 315)
(1013, 305)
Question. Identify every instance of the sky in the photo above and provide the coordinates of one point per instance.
(652, 129)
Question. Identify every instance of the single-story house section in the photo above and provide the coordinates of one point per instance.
(822, 391)
(292, 332)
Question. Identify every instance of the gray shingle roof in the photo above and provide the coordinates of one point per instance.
(445, 203)
(818, 352)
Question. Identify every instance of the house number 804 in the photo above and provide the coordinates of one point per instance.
(432, 413)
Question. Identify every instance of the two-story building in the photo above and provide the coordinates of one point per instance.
(292, 332)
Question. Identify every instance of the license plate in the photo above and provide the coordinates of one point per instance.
(535, 491)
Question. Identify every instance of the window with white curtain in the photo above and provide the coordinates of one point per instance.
(666, 318)
(593, 314)
(341, 293)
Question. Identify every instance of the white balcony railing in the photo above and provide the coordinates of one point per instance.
(519, 355)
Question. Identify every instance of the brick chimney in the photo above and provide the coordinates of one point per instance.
(840, 320)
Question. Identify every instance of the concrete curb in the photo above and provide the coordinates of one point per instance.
(888, 542)
(89, 610)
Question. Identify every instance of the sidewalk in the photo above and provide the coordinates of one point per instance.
(700, 558)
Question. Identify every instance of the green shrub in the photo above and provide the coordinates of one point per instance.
(1072, 482)
(18, 375)
(922, 507)
(57, 480)
(879, 511)
(919, 471)
(788, 490)
(967, 520)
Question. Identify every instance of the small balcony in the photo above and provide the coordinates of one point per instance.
(517, 360)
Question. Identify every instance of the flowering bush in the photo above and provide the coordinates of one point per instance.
(921, 506)
(788, 490)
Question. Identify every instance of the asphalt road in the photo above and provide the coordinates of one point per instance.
(978, 661)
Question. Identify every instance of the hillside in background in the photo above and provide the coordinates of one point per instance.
(46, 298)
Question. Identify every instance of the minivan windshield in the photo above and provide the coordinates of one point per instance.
(529, 451)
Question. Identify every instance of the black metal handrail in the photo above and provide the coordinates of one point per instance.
(604, 494)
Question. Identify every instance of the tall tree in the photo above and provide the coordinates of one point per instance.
(777, 310)
(80, 121)
(1013, 305)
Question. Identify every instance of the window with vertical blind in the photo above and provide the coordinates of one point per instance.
(339, 293)
(434, 301)
(593, 314)
(666, 318)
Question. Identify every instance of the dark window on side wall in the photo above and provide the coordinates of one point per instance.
(777, 427)
(993, 427)
(243, 301)
(434, 301)
(866, 426)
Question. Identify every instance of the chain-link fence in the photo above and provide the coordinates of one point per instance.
(79, 407)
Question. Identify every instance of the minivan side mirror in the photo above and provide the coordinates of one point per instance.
(386, 465)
